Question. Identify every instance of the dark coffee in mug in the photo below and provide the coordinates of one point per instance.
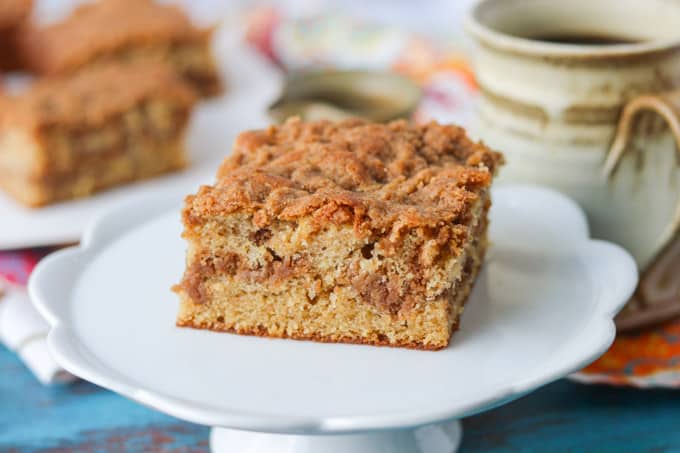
(585, 39)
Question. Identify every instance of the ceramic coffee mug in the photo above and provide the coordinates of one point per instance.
(579, 96)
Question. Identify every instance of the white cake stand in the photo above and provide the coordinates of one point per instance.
(542, 308)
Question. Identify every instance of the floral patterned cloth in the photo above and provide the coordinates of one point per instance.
(16, 265)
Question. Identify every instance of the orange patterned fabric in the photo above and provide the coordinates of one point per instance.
(649, 358)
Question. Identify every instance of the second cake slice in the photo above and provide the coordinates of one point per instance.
(67, 137)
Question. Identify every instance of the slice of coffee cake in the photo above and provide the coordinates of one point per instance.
(124, 30)
(339, 232)
(69, 137)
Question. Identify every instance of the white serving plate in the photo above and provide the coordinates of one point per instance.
(541, 309)
(252, 84)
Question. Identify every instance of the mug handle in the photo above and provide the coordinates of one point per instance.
(667, 105)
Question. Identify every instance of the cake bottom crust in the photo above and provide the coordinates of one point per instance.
(428, 326)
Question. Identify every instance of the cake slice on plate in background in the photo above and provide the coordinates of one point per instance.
(124, 30)
(67, 137)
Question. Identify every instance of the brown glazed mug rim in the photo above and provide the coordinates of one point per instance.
(499, 40)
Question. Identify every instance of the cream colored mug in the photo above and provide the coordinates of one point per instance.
(579, 95)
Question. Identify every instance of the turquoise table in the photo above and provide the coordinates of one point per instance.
(560, 417)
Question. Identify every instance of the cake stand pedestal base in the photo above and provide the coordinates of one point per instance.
(438, 438)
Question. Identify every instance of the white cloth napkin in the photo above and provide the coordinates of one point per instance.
(24, 331)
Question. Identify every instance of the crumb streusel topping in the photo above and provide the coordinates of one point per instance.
(93, 95)
(383, 178)
(108, 26)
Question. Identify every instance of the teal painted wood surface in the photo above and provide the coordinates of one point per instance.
(562, 417)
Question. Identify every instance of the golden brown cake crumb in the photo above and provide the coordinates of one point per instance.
(377, 177)
(351, 231)
(67, 137)
(128, 30)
